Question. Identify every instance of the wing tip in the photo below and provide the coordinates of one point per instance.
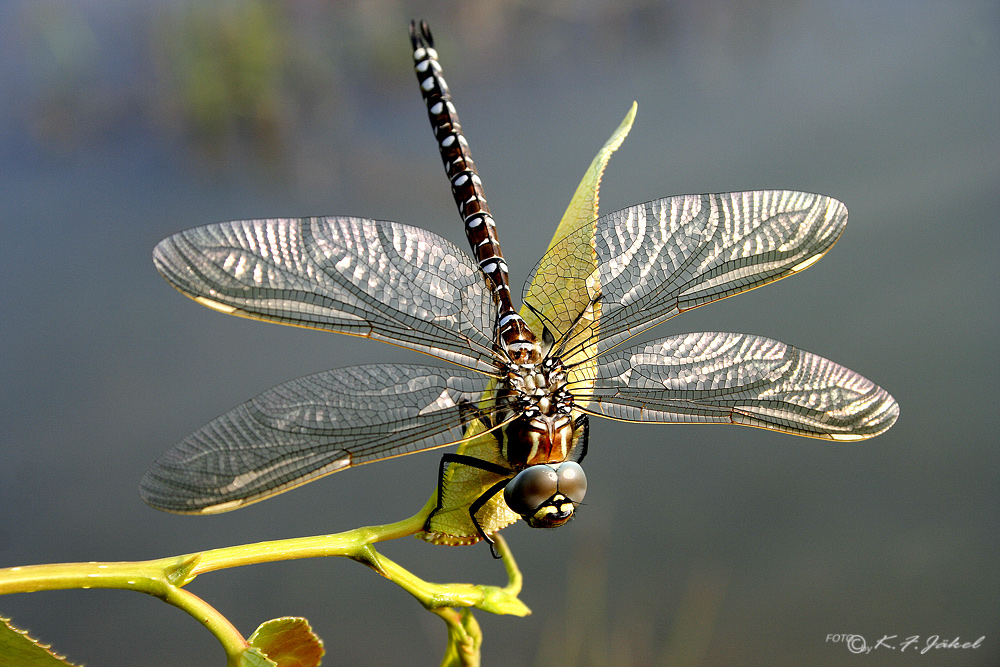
(881, 415)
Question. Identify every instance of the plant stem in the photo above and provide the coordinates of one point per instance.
(165, 577)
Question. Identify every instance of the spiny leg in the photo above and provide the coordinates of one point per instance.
(476, 506)
(581, 427)
(472, 462)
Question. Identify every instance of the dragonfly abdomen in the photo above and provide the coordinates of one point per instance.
(516, 338)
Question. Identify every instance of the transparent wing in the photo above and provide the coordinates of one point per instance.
(311, 427)
(651, 261)
(381, 280)
(739, 379)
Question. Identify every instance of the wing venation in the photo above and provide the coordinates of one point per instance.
(649, 262)
(381, 280)
(311, 427)
(741, 379)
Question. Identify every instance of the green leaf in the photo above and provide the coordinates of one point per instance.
(578, 315)
(289, 642)
(254, 657)
(584, 207)
(17, 649)
(574, 232)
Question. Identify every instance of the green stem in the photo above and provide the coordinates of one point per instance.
(349, 544)
(232, 641)
(150, 576)
(464, 638)
(165, 577)
(493, 599)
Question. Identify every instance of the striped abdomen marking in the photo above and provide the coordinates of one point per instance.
(467, 189)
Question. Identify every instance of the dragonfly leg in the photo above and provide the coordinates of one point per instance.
(476, 506)
(471, 461)
(581, 427)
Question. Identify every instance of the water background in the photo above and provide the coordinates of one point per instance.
(121, 124)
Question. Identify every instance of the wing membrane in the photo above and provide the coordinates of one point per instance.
(382, 280)
(311, 427)
(652, 261)
(740, 379)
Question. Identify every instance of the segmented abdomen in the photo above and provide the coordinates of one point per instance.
(467, 189)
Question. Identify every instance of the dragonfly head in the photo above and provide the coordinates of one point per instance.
(546, 495)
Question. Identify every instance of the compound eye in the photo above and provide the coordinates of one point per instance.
(572, 482)
(531, 488)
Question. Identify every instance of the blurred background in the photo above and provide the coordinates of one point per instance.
(123, 123)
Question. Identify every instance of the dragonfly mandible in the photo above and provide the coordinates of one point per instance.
(521, 393)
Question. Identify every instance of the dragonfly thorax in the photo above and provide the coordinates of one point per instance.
(543, 429)
(523, 352)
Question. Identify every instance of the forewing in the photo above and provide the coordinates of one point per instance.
(381, 280)
(740, 379)
(652, 261)
(311, 427)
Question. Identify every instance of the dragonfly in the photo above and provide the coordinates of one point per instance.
(522, 385)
